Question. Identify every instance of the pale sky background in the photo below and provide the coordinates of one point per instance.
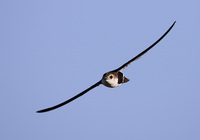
(52, 50)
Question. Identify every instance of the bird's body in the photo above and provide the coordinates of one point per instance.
(113, 79)
(110, 79)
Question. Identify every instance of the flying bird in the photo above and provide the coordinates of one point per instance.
(110, 79)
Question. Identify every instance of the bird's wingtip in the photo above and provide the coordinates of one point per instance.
(39, 111)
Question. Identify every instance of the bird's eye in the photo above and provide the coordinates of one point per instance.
(110, 76)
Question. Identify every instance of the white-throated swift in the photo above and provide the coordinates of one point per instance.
(110, 79)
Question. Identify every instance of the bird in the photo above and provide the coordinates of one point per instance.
(112, 78)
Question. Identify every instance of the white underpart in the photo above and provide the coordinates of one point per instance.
(110, 82)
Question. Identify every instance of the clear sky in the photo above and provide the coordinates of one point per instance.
(52, 50)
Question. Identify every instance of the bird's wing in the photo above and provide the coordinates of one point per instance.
(71, 99)
(139, 55)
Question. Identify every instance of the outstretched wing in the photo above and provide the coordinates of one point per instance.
(71, 99)
(139, 55)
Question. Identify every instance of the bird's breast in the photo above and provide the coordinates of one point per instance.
(110, 83)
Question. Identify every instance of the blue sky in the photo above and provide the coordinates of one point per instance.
(52, 50)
